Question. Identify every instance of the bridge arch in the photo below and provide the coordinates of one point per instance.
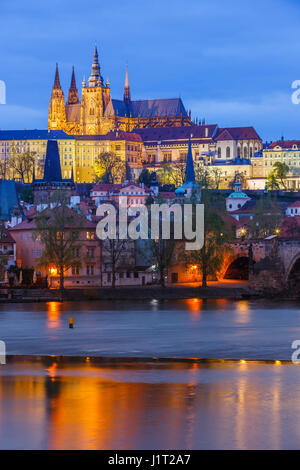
(236, 266)
(292, 275)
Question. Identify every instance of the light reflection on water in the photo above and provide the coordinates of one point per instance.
(53, 405)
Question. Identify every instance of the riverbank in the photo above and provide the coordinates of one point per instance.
(133, 361)
(231, 290)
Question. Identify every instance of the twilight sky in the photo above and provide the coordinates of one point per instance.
(231, 61)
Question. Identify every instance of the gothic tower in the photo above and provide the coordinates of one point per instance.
(73, 97)
(95, 97)
(72, 108)
(57, 112)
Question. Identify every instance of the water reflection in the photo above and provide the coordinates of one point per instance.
(194, 306)
(243, 311)
(53, 315)
(139, 406)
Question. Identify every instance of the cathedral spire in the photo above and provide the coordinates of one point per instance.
(189, 169)
(73, 92)
(56, 85)
(95, 78)
(127, 87)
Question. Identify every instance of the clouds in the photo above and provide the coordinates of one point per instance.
(224, 55)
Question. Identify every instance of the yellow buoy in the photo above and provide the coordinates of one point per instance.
(71, 322)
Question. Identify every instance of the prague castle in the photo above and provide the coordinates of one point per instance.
(142, 133)
(98, 113)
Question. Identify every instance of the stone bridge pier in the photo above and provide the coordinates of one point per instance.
(274, 263)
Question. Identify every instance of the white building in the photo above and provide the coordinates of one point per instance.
(237, 199)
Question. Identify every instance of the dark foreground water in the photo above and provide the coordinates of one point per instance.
(187, 328)
(149, 406)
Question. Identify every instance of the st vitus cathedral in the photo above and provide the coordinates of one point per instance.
(98, 113)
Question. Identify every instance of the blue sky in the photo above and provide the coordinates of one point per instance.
(232, 62)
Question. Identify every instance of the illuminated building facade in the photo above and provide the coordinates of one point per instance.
(77, 153)
(98, 113)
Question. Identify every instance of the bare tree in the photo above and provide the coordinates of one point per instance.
(216, 177)
(59, 229)
(109, 168)
(114, 252)
(162, 251)
(21, 163)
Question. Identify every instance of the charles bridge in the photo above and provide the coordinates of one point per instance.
(272, 263)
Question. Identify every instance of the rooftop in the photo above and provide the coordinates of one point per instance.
(150, 108)
(33, 134)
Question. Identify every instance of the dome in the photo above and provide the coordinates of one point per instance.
(180, 190)
(238, 195)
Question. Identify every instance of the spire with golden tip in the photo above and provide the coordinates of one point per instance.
(127, 97)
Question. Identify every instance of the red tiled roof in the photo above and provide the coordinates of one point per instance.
(237, 133)
(29, 224)
(146, 190)
(5, 237)
(30, 212)
(173, 134)
(111, 135)
(167, 194)
(115, 188)
(106, 187)
(284, 144)
(295, 204)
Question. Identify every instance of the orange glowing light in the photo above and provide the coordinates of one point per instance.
(53, 271)
(278, 363)
(242, 361)
(53, 314)
(52, 371)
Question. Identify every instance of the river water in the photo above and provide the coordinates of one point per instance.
(186, 328)
(55, 403)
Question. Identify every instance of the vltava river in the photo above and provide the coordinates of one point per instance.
(145, 403)
(187, 328)
(48, 405)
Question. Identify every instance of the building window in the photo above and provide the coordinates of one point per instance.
(75, 270)
(90, 252)
(219, 152)
(227, 152)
